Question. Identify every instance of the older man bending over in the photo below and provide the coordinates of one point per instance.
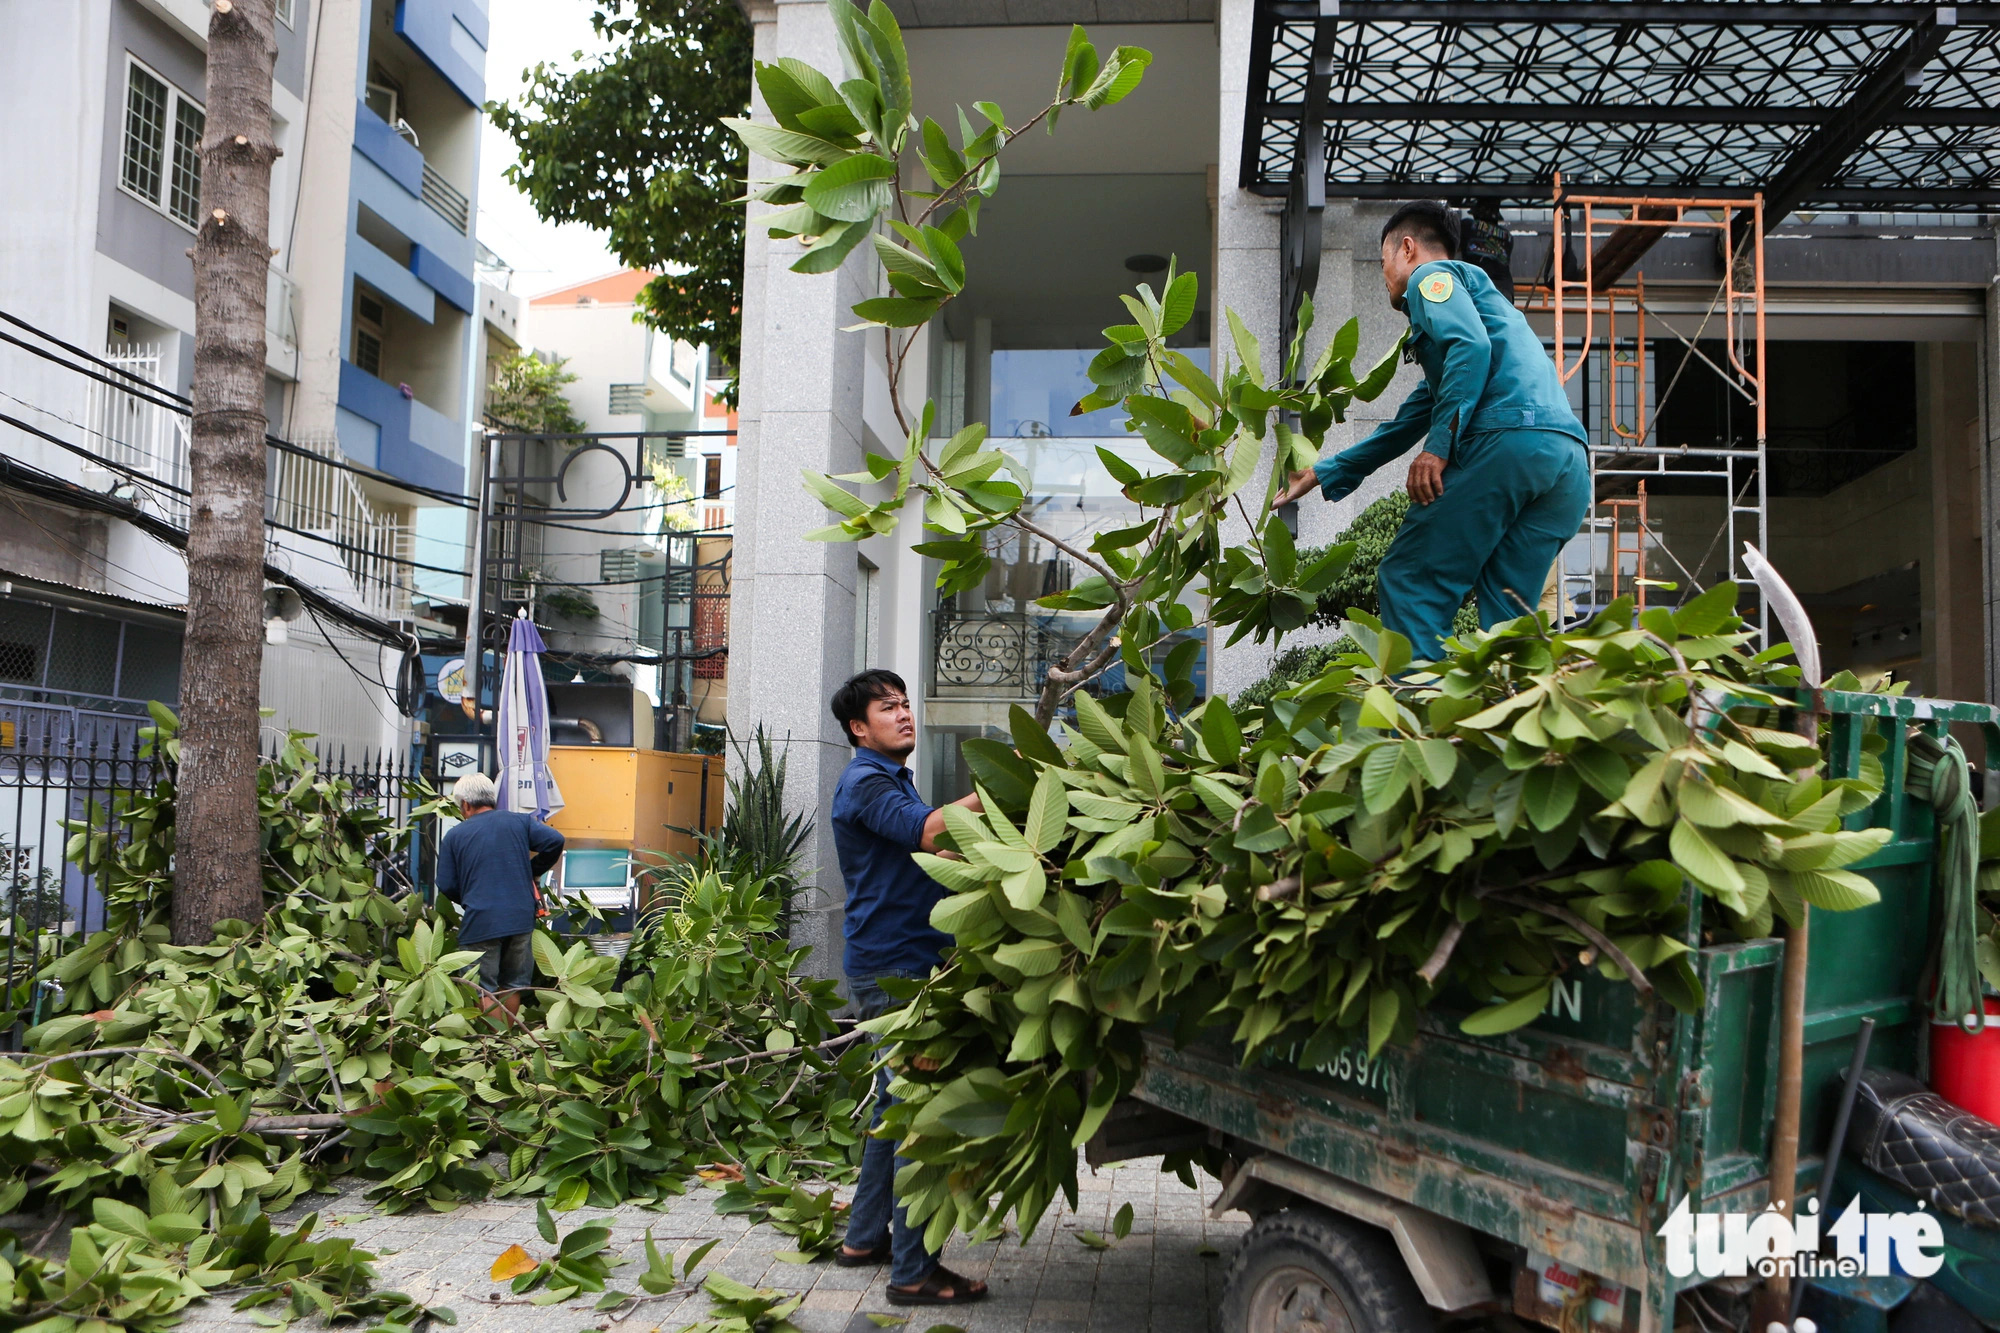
(488, 864)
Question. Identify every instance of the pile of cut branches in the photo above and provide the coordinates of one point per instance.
(1317, 872)
(183, 1092)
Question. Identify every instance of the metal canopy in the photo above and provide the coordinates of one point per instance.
(1876, 104)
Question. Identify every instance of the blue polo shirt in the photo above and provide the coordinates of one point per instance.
(487, 865)
(878, 820)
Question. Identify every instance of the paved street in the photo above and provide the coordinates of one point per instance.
(1165, 1277)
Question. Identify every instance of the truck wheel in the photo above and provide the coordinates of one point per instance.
(1306, 1270)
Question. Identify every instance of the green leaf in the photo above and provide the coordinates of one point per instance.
(1121, 471)
(1505, 1017)
(944, 251)
(1119, 77)
(1177, 305)
(1246, 347)
(545, 1225)
(826, 254)
(1707, 614)
(1835, 890)
(1030, 739)
(1382, 372)
(1080, 63)
(782, 145)
(897, 312)
(1383, 1007)
(1031, 958)
(963, 913)
(1549, 795)
(1702, 859)
(1121, 1225)
(1048, 812)
(1280, 556)
(837, 498)
(1220, 732)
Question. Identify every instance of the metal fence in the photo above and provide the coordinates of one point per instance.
(64, 774)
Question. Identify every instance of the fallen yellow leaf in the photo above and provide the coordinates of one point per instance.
(513, 1262)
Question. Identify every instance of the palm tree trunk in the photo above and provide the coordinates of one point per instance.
(217, 870)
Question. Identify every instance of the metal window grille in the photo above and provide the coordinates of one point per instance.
(184, 194)
(145, 133)
(368, 317)
(58, 655)
(628, 399)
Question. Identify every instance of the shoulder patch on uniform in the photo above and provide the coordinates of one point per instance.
(1436, 288)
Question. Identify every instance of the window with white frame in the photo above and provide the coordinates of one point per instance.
(285, 12)
(162, 149)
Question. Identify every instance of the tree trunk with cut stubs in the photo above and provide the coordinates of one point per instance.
(217, 872)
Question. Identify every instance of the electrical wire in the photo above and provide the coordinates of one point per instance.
(46, 486)
(104, 563)
(129, 382)
(179, 404)
(141, 478)
(365, 678)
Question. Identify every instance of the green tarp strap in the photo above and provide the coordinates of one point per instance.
(1940, 773)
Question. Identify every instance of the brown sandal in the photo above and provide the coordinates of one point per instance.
(964, 1291)
(872, 1257)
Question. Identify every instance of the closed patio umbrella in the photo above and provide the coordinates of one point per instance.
(524, 780)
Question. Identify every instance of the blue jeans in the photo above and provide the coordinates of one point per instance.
(868, 1219)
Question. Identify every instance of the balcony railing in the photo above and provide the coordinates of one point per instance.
(993, 654)
(446, 199)
(315, 498)
(136, 431)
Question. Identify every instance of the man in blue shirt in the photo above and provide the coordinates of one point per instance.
(1502, 481)
(878, 820)
(487, 864)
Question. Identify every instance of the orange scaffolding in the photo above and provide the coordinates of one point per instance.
(1593, 310)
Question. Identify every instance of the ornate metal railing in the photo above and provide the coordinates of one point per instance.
(993, 654)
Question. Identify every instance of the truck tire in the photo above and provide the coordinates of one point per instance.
(1307, 1270)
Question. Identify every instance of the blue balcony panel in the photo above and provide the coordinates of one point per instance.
(360, 438)
(451, 35)
(397, 156)
(414, 443)
(409, 214)
(385, 275)
(437, 273)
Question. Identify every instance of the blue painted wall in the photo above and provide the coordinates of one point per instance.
(451, 35)
(411, 440)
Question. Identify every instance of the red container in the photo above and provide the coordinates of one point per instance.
(1965, 1069)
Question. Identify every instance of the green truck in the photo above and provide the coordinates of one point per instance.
(1532, 1172)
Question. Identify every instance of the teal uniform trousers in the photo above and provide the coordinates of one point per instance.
(1516, 480)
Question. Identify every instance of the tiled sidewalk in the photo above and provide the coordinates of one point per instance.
(1165, 1277)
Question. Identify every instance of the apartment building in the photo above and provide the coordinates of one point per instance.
(376, 336)
(653, 578)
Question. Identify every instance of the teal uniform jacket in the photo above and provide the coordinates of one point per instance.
(1516, 480)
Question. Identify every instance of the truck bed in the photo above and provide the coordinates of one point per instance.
(1576, 1135)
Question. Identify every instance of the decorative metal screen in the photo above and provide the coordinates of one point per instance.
(1493, 97)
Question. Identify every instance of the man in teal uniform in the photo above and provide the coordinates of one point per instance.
(1502, 481)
